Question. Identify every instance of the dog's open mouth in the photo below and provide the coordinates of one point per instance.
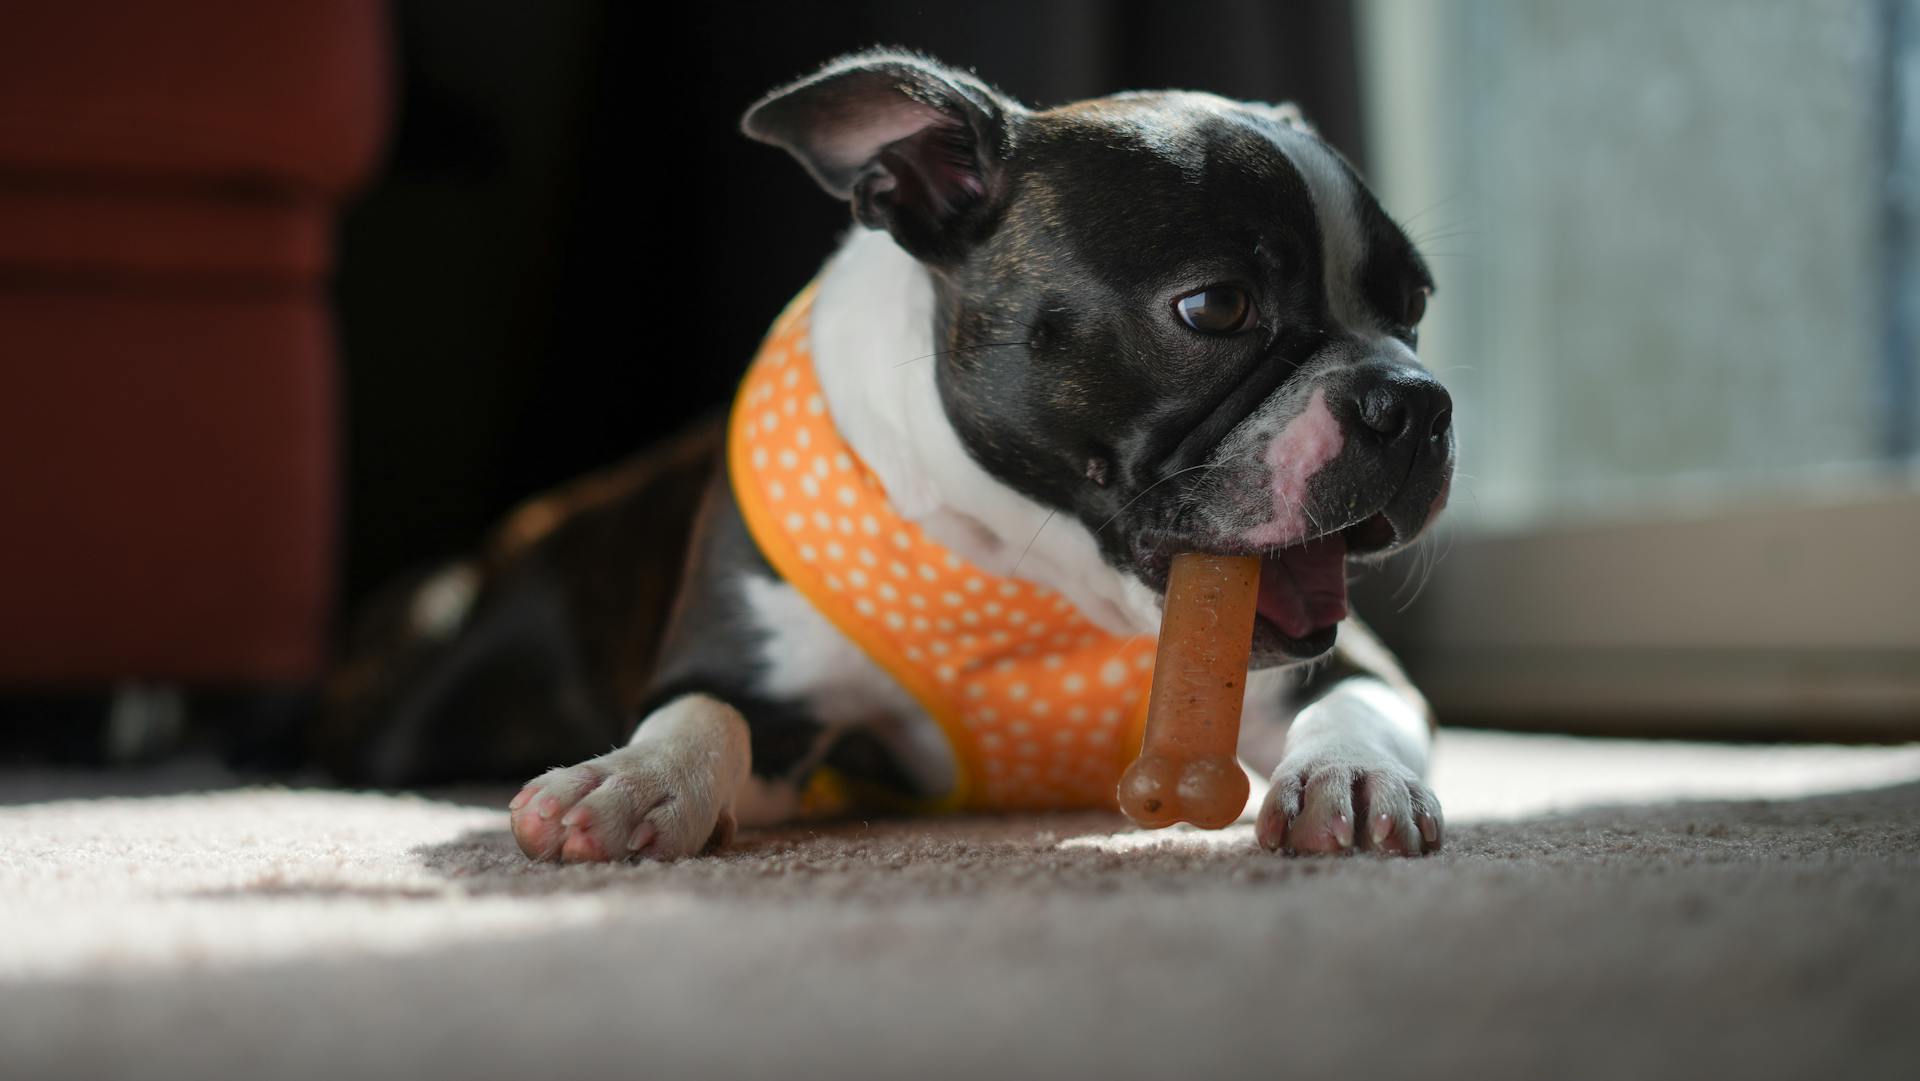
(1303, 588)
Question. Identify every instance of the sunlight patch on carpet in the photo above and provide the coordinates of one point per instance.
(1174, 838)
(1501, 776)
(247, 876)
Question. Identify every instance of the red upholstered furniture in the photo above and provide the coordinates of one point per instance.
(169, 174)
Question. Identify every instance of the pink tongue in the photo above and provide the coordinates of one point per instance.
(1304, 588)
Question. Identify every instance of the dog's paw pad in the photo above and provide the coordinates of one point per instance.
(1330, 807)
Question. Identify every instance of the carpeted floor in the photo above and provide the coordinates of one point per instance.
(1603, 909)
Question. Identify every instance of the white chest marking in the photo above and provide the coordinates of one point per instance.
(807, 660)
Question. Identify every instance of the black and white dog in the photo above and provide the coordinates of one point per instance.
(1071, 342)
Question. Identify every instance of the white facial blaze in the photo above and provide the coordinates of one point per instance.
(1342, 240)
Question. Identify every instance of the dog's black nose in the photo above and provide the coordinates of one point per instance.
(1400, 402)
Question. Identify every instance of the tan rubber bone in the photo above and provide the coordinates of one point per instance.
(1187, 770)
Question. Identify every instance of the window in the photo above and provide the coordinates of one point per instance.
(1679, 300)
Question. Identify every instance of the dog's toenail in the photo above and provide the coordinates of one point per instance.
(1382, 825)
(575, 818)
(1342, 829)
(520, 800)
(1429, 829)
(1270, 831)
(642, 837)
(547, 807)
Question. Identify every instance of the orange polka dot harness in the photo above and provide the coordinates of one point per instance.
(1042, 709)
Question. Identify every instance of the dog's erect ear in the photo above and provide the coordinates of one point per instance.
(917, 148)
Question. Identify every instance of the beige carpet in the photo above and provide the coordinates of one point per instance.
(1582, 923)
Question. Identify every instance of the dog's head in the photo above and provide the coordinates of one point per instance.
(1182, 319)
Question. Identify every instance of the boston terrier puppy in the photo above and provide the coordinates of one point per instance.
(1065, 346)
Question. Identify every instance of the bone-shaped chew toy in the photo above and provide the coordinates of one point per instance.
(1187, 770)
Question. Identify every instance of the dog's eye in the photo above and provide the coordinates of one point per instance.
(1217, 309)
(1416, 306)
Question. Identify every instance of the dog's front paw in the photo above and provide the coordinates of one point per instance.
(669, 793)
(634, 803)
(1328, 803)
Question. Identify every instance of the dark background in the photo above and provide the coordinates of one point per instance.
(572, 251)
